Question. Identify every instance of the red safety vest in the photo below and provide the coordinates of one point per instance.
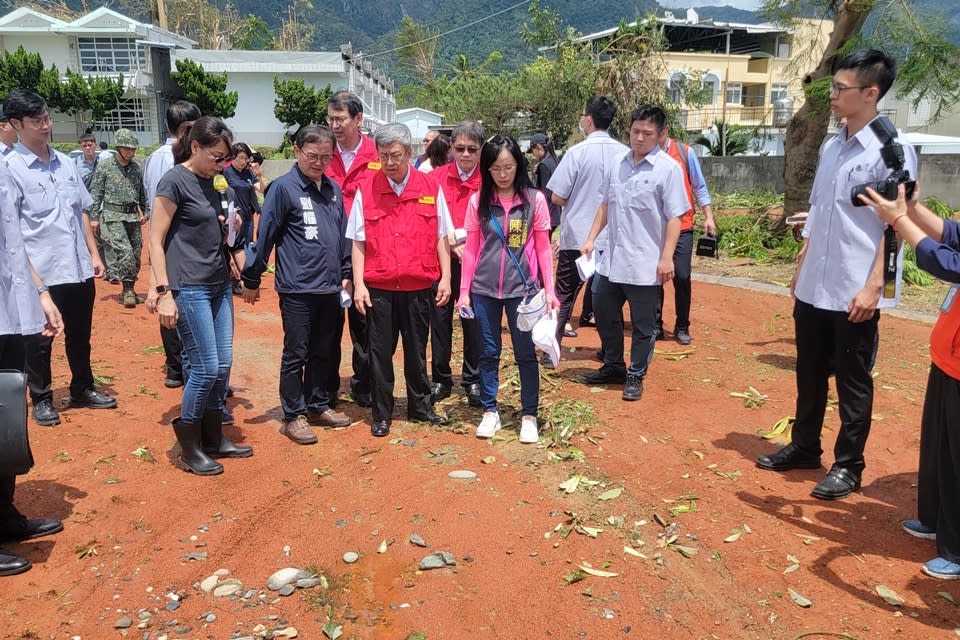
(945, 340)
(456, 191)
(679, 154)
(401, 233)
(365, 163)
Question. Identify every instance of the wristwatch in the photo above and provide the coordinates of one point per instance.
(161, 289)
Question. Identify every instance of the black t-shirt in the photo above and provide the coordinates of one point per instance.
(194, 246)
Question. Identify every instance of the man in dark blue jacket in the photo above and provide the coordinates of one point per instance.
(302, 216)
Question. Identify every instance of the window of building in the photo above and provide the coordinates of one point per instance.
(734, 93)
(129, 114)
(110, 55)
(711, 86)
(777, 92)
(675, 88)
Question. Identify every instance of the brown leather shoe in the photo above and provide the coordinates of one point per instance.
(330, 418)
(299, 430)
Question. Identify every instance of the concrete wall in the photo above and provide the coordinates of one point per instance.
(939, 175)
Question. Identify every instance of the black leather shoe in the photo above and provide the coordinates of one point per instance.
(431, 418)
(173, 382)
(380, 428)
(93, 399)
(606, 374)
(36, 528)
(439, 391)
(473, 395)
(362, 399)
(682, 335)
(790, 457)
(44, 414)
(838, 483)
(633, 389)
(11, 565)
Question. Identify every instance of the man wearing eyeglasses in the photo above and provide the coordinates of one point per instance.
(54, 217)
(838, 282)
(354, 160)
(399, 229)
(457, 181)
(575, 187)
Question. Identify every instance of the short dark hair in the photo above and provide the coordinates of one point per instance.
(314, 134)
(650, 112)
(207, 131)
(241, 147)
(469, 129)
(602, 110)
(87, 137)
(179, 112)
(873, 68)
(20, 104)
(346, 100)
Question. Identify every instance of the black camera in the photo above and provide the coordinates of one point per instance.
(892, 154)
(257, 157)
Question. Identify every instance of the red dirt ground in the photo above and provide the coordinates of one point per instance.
(130, 523)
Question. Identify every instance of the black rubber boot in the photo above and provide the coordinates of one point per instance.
(214, 444)
(191, 455)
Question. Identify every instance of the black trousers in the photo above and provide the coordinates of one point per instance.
(826, 339)
(682, 288)
(360, 382)
(308, 321)
(12, 356)
(172, 348)
(568, 285)
(939, 473)
(75, 301)
(405, 314)
(441, 337)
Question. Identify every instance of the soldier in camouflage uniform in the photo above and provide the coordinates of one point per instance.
(119, 209)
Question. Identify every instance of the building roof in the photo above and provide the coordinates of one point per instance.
(102, 22)
(418, 111)
(235, 61)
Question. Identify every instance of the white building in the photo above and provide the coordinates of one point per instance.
(108, 43)
(251, 73)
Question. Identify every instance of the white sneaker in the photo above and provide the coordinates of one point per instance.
(528, 430)
(489, 425)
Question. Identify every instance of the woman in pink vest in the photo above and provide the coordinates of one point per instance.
(507, 215)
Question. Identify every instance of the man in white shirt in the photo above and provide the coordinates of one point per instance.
(838, 283)
(641, 203)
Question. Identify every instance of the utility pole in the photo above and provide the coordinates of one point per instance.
(162, 14)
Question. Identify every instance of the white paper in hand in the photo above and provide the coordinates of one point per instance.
(233, 224)
(586, 265)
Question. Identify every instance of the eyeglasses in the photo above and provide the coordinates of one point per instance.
(219, 159)
(504, 169)
(39, 121)
(314, 158)
(839, 88)
(462, 149)
(391, 158)
(338, 119)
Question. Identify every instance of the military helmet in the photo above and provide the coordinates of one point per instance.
(125, 138)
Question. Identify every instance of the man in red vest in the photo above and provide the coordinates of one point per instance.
(457, 181)
(697, 193)
(354, 160)
(400, 249)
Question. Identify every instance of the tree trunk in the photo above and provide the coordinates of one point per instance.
(807, 128)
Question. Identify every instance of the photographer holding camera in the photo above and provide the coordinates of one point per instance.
(840, 277)
(937, 244)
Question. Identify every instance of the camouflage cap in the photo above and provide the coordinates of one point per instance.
(125, 138)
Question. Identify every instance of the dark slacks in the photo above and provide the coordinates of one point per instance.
(939, 473)
(360, 382)
(826, 339)
(308, 321)
(609, 298)
(75, 301)
(682, 287)
(12, 356)
(405, 314)
(568, 285)
(441, 337)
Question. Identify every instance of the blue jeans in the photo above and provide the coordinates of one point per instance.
(206, 331)
(489, 312)
(608, 300)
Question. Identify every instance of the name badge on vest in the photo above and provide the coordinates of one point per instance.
(427, 200)
(948, 300)
(374, 166)
(518, 234)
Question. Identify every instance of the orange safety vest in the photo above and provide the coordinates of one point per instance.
(674, 151)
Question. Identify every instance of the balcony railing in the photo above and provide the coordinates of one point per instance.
(704, 117)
